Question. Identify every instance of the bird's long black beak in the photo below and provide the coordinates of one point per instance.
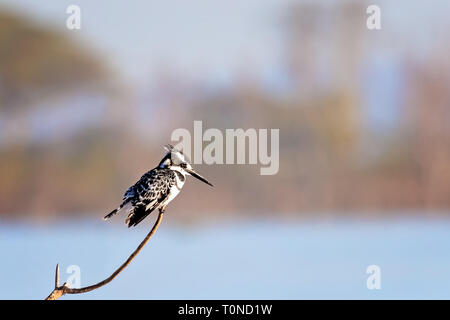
(199, 177)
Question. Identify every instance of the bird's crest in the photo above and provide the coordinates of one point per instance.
(177, 156)
(169, 148)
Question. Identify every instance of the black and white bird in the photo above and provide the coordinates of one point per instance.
(156, 188)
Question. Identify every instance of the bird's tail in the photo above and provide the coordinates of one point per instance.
(115, 211)
(109, 215)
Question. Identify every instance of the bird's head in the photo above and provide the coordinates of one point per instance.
(176, 160)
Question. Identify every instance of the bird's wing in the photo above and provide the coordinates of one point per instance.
(148, 193)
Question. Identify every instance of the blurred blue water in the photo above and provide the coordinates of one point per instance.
(239, 260)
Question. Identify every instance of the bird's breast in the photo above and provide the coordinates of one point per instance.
(180, 179)
(174, 191)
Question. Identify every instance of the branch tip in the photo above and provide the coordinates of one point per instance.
(57, 276)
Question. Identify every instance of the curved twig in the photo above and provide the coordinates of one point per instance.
(64, 289)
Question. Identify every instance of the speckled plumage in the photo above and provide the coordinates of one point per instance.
(156, 188)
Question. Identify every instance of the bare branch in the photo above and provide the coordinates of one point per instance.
(57, 276)
(64, 289)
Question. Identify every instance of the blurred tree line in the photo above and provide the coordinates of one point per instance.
(324, 163)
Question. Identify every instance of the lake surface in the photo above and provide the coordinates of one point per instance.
(234, 260)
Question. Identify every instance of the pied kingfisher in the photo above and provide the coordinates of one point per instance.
(157, 187)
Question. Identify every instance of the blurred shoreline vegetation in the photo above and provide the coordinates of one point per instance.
(330, 160)
(35, 63)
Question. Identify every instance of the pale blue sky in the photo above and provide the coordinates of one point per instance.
(213, 35)
(211, 41)
(208, 38)
(196, 37)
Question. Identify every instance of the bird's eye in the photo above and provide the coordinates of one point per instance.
(183, 165)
